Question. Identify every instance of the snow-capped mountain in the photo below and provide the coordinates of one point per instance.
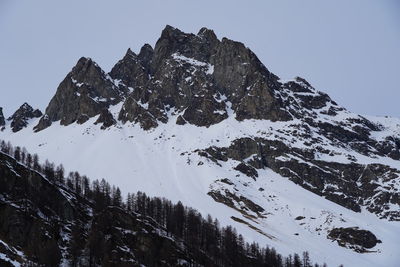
(203, 121)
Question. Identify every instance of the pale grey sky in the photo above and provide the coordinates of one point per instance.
(348, 49)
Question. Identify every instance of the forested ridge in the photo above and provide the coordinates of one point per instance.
(203, 239)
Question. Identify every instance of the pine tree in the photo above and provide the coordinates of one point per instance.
(48, 170)
(36, 165)
(306, 259)
(296, 260)
(17, 154)
(77, 183)
(86, 187)
(116, 197)
(59, 174)
(29, 160)
(23, 155)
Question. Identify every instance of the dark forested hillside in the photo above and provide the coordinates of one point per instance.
(49, 219)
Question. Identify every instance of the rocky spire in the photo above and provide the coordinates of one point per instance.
(209, 35)
(84, 93)
(132, 70)
(146, 56)
(22, 115)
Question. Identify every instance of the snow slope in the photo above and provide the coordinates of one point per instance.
(161, 162)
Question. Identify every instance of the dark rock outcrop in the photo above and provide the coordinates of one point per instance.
(197, 75)
(20, 118)
(136, 112)
(247, 170)
(106, 118)
(354, 238)
(84, 93)
(200, 78)
(358, 184)
(133, 70)
(237, 202)
(31, 209)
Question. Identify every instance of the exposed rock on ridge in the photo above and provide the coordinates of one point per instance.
(19, 119)
(185, 74)
(359, 185)
(84, 93)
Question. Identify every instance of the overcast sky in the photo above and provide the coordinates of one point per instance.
(348, 49)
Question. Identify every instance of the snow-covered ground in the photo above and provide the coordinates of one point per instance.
(161, 162)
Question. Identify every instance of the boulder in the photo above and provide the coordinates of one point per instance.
(354, 238)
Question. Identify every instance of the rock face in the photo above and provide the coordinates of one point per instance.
(318, 176)
(20, 118)
(197, 76)
(106, 118)
(84, 93)
(354, 238)
(27, 203)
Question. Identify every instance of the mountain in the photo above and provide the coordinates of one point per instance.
(20, 118)
(201, 120)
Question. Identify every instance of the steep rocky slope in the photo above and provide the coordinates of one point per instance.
(202, 120)
(84, 93)
(41, 222)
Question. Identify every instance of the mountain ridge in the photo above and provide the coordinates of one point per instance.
(207, 123)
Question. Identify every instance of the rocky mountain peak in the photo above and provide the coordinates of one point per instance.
(170, 40)
(132, 70)
(146, 56)
(184, 72)
(254, 132)
(22, 115)
(146, 51)
(196, 79)
(208, 33)
(84, 93)
(129, 55)
(170, 32)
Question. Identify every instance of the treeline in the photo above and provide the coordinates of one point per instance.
(223, 245)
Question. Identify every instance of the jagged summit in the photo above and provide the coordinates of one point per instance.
(201, 119)
(186, 73)
(84, 93)
(22, 115)
(130, 53)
